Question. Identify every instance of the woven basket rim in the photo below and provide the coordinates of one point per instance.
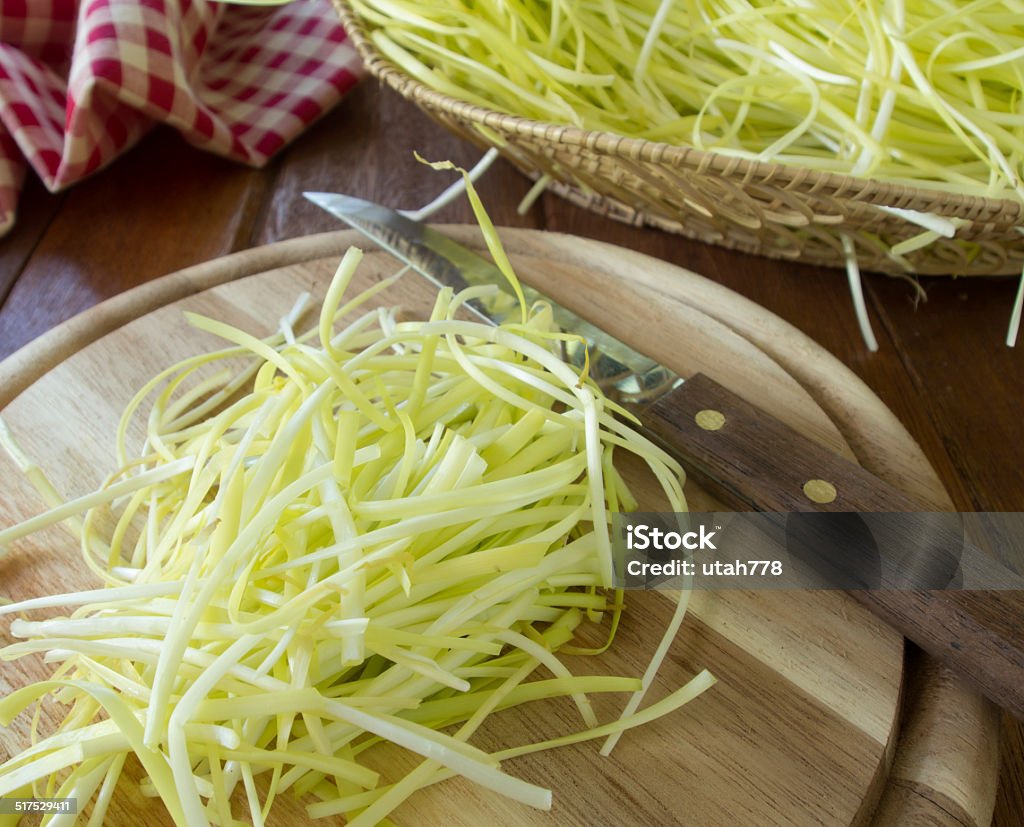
(829, 184)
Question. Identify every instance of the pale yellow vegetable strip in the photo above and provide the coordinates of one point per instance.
(190, 608)
(87, 501)
(245, 340)
(541, 483)
(407, 638)
(339, 284)
(251, 796)
(557, 668)
(101, 731)
(471, 763)
(146, 591)
(106, 793)
(259, 484)
(219, 804)
(486, 562)
(151, 385)
(462, 706)
(490, 234)
(177, 744)
(695, 687)
(420, 776)
(152, 760)
(36, 476)
(667, 639)
(345, 446)
(48, 764)
(339, 767)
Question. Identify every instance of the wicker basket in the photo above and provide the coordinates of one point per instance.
(769, 209)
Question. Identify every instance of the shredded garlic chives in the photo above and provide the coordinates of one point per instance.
(902, 92)
(372, 534)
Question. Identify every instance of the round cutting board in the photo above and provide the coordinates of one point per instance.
(815, 719)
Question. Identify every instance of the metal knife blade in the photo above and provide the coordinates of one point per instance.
(624, 373)
(740, 454)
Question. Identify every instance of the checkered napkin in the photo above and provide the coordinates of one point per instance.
(82, 80)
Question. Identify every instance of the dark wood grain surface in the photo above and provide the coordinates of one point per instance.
(942, 366)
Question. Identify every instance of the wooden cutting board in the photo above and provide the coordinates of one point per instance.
(815, 718)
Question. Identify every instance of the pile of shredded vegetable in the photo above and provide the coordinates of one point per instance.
(927, 94)
(375, 531)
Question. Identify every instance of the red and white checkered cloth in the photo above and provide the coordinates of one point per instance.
(82, 80)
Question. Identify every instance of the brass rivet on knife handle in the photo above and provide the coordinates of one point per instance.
(820, 491)
(710, 420)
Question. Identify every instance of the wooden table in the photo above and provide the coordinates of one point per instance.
(942, 366)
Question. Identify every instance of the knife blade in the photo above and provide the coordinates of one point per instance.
(738, 452)
(624, 373)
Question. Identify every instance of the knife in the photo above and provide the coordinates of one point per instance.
(739, 453)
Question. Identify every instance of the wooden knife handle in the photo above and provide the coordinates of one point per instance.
(754, 462)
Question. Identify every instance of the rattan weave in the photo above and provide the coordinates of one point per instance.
(775, 210)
